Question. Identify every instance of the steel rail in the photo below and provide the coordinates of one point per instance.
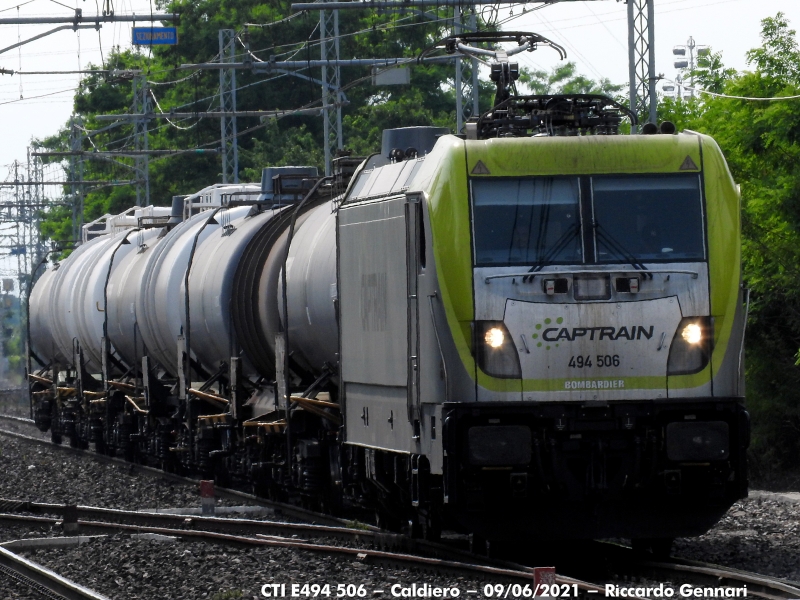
(707, 575)
(379, 539)
(192, 521)
(278, 507)
(515, 572)
(18, 419)
(696, 573)
(382, 540)
(43, 580)
(225, 529)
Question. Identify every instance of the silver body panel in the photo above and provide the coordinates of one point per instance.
(211, 286)
(123, 290)
(395, 344)
(42, 340)
(160, 303)
(311, 291)
(91, 297)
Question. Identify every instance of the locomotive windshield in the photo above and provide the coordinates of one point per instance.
(636, 217)
(650, 217)
(525, 221)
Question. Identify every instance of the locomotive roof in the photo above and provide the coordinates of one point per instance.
(531, 156)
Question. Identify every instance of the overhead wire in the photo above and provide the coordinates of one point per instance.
(291, 112)
(306, 45)
(567, 43)
(39, 96)
(284, 20)
(17, 7)
(100, 38)
(611, 33)
(175, 125)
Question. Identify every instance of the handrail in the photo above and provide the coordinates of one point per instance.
(533, 274)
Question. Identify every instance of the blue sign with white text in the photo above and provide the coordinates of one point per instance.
(155, 36)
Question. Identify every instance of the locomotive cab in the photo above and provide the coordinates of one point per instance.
(569, 358)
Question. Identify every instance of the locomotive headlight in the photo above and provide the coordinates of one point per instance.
(692, 333)
(495, 337)
(691, 347)
(495, 351)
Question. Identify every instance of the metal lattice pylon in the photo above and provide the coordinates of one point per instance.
(466, 71)
(642, 59)
(141, 106)
(227, 104)
(76, 175)
(331, 84)
(36, 198)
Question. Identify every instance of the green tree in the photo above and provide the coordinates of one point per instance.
(711, 74)
(297, 139)
(290, 140)
(564, 79)
(760, 141)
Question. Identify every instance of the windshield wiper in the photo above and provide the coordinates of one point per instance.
(555, 250)
(621, 251)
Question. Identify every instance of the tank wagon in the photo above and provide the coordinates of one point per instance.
(511, 332)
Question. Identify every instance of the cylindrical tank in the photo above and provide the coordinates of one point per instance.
(234, 292)
(68, 302)
(124, 286)
(254, 305)
(90, 303)
(62, 299)
(42, 342)
(161, 303)
(312, 293)
(213, 267)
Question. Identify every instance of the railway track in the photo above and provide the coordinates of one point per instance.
(377, 546)
(40, 580)
(260, 533)
(623, 561)
(222, 492)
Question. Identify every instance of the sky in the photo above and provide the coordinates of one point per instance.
(594, 34)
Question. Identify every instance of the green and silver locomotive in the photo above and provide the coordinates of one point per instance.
(535, 329)
(551, 329)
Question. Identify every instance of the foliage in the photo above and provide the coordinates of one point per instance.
(711, 74)
(760, 141)
(13, 348)
(563, 79)
(295, 139)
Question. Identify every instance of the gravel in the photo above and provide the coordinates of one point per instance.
(15, 402)
(41, 474)
(759, 534)
(126, 569)
(26, 531)
(18, 591)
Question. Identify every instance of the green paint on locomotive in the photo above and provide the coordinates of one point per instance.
(454, 161)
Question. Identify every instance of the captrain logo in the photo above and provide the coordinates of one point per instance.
(545, 335)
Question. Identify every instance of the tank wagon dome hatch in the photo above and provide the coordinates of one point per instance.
(284, 185)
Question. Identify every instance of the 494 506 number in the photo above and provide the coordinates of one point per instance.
(601, 360)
